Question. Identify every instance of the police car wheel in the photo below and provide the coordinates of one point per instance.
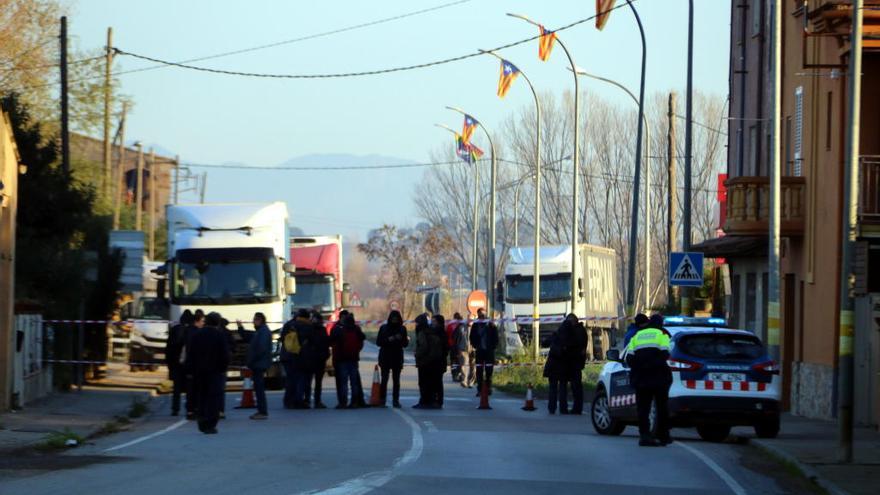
(768, 428)
(600, 414)
(713, 433)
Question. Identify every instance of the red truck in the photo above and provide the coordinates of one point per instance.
(319, 283)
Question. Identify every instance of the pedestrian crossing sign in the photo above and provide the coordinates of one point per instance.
(686, 269)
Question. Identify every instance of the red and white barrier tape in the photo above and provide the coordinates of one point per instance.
(365, 323)
(476, 365)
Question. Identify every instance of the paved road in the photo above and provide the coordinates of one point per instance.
(458, 450)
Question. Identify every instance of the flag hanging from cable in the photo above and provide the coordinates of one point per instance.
(603, 10)
(475, 153)
(468, 152)
(545, 43)
(508, 74)
(467, 128)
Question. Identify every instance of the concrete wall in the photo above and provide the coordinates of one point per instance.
(9, 197)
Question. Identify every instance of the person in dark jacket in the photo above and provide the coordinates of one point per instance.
(207, 359)
(321, 349)
(638, 322)
(650, 375)
(347, 340)
(462, 348)
(431, 353)
(232, 344)
(392, 340)
(192, 399)
(556, 372)
(258, 360)
(286, 358)
(173, 351)
(454, 363)
(301, 361)
(575, 338)
(484, 340)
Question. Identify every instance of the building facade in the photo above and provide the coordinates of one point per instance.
(816, 50)
(9, 170)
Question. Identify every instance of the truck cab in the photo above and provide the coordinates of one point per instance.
(318, 272)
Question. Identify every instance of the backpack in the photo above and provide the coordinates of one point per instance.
(291, 342)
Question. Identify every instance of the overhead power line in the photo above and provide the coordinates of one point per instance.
(320, 167)
(351, 74)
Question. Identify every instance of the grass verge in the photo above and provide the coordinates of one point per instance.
(58, 440)
(515, 379)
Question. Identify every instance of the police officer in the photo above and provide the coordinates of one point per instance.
(650, 375)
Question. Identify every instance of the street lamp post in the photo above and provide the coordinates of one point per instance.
(574, 184)
(490, 271)
(647, 153)
(476, 216)
(536, 279)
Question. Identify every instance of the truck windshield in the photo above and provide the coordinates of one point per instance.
(554, 288)
(152, 308)
(314, 293)
(224, 276)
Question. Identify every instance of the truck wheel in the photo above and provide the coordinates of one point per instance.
(600, 414)
(768, 428)
(713, 433)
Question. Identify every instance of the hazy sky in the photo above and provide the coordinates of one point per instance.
(209, 118)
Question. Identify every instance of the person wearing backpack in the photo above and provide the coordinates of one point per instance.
(302, 356)
(347, 340)
(392, 339)
(321, 348)
(290, 347)
(484, 339)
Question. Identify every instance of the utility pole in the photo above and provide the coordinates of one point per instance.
(672, 194)
(139, 191)
(476, 238)
(65, 128)
(176, 177)
(204, 186)
(152, 226)
(108, 64)
(775, 183)
(845, 365)
(688, 155)
(120, 169)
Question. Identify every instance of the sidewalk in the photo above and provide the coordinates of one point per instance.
(811, 445)
(83, 413)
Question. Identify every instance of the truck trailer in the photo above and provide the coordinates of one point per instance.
(596, 273)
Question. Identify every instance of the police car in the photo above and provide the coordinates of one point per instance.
(721, 378)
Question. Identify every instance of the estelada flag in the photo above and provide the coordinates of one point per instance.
(508, 74)
(467, 128)
(475, 152)
(545, 43)
(603, 10)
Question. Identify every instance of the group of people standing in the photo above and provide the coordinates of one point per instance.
(564, 367)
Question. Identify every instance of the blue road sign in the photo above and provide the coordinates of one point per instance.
(686, 269)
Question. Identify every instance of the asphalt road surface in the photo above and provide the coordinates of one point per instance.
(457, 450)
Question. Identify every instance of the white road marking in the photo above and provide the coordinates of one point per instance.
(371, 481)
(475, 400)
(429, 425)
(735, 487)
(147, 437)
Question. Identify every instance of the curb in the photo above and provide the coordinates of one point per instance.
(805, 470)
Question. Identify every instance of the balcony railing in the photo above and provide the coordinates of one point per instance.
(748, 205)
(869, 189)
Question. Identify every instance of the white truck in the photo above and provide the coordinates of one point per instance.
(233, 259)
(596, 273)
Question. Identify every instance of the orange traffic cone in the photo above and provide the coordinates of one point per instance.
(376, 391)
(484, 396)
(247, 391)
(530, 399)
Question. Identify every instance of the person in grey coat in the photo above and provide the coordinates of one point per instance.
(259, 359)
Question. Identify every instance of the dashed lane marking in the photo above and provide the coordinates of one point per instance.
(429, 425)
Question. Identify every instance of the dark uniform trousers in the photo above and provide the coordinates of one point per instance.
(660, 397)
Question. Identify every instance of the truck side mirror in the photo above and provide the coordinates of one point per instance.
(290, 285)
(346, 295)
(160, 288)
(288, 267)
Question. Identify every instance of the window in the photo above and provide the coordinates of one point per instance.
(765, 294)
(754, 149)
(721, 346)
(751, 319)
(757, 14)
(734, 317)
(224, 276)
(798, 130)
(789, 163)
(828, 115)
(554, 288)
